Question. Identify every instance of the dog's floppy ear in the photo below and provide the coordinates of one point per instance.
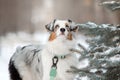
(50, 26)
(73, 27)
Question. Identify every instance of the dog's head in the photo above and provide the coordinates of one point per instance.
(61, 28)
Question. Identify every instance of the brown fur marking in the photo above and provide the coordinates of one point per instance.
(69, 37)
(52, 36)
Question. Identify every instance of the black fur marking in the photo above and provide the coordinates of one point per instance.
(37, 70)
(29, 61)
(25, 47)
(14, 74)
(54, 21)
(69, 20)
(35, 51)
(74, 29)
(53, 24)
(38, 60)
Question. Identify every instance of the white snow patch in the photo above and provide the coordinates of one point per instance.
(4, 75)
(93, 70)
(104, 65)
(92, 25)
(115, 58)
(84, 63)
(109, 2)
(115, 38)
(104, 70)
(82, 78)
(108, 51)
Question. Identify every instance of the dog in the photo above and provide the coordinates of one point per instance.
(50, 62)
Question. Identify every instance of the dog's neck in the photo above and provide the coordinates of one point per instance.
(60, 45)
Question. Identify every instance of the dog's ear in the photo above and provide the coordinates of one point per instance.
(50, 26)
(73, 27)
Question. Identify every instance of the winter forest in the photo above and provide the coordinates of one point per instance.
(98, 38)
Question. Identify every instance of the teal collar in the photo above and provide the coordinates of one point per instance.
(61, 56)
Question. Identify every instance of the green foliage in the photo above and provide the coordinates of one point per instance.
(103, 53)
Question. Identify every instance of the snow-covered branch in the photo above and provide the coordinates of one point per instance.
(113, 5)
(103, 53)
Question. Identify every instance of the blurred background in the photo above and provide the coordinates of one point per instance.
(22, 22)
(32, 15)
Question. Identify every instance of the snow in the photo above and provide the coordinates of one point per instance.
(11, 41)
(93, 70)
(115, 58)
(104, 70)
(109, 2)
(82, 78)
(115, 38)
(4, 75)
(83, 64)
(91, 24)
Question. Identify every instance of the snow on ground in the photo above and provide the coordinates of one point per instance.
(9, 43)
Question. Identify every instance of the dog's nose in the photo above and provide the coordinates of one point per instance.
(62, 29)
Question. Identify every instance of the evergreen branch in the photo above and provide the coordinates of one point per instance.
(113, 5)
(81, 46)
(75, 70)
(75, 50)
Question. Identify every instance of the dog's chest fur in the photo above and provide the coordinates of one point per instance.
(58, 47)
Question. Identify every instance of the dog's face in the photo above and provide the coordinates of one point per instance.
(61, 28)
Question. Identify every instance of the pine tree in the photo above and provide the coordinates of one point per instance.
(103, 52)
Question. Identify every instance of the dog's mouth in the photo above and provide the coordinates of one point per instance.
(62, 33)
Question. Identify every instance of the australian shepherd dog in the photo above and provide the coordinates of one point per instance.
(50, 62)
